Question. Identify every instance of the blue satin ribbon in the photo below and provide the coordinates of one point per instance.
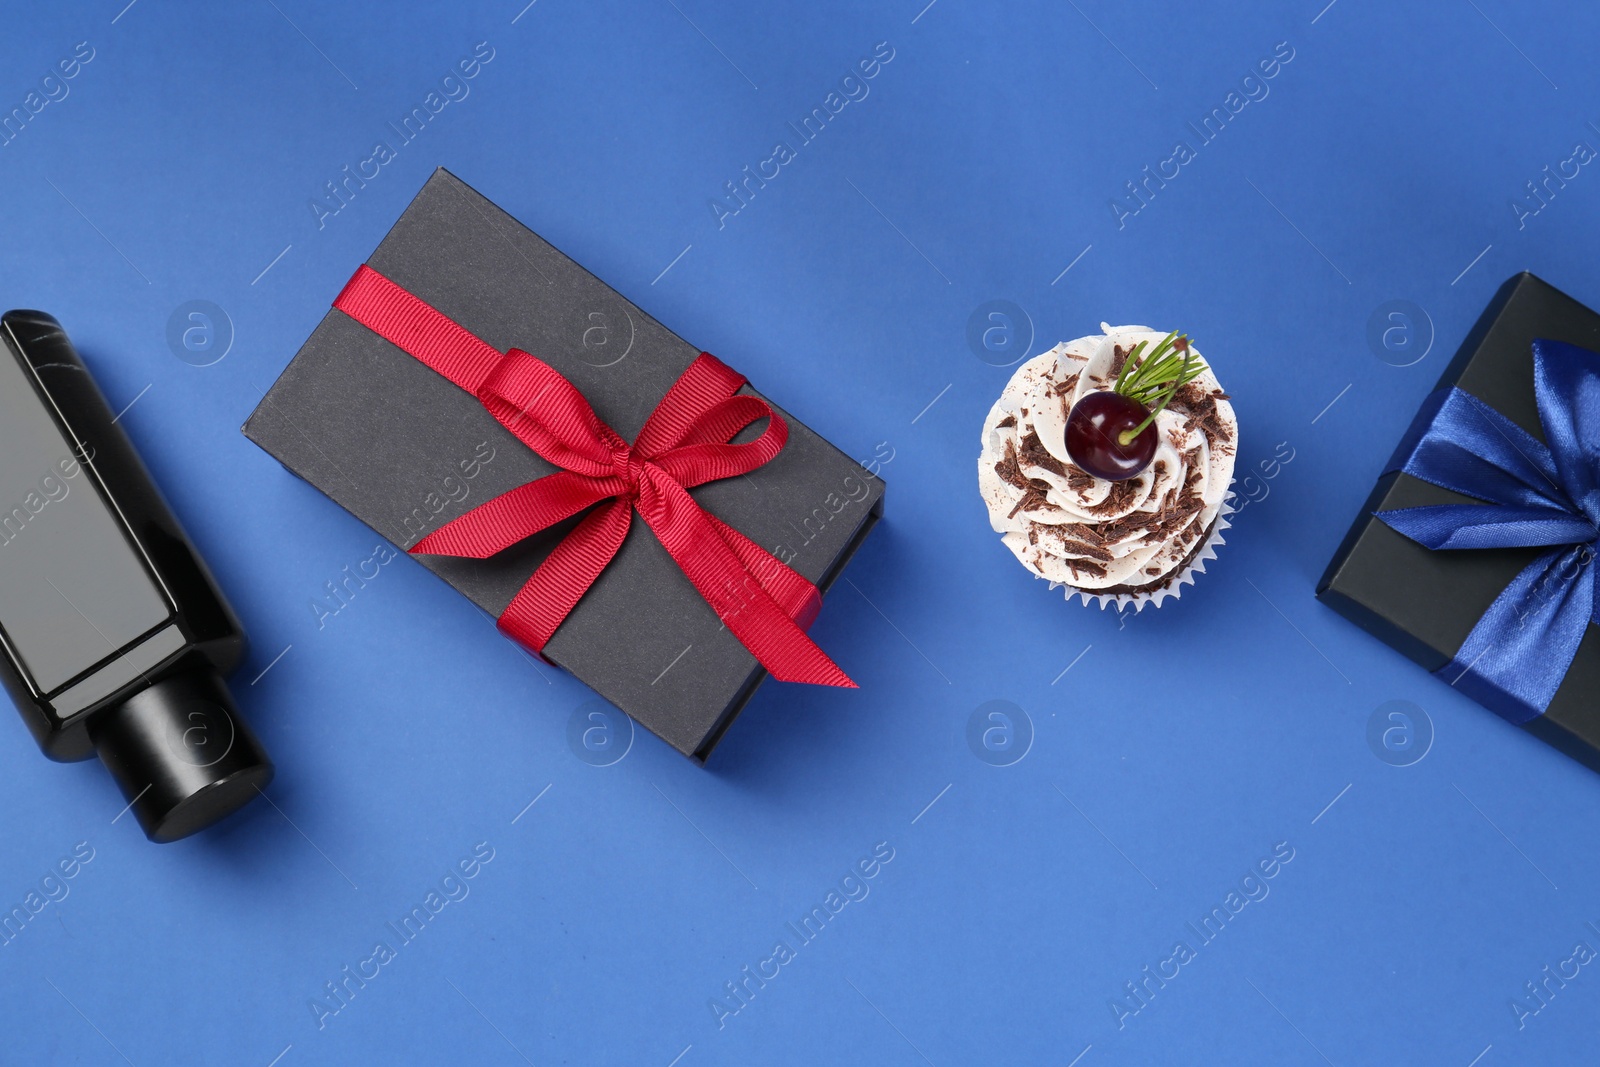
(1537, 494)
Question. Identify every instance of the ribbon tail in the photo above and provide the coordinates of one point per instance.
(738, 597)
(1515, 658)
(549, 596)
(798, 598)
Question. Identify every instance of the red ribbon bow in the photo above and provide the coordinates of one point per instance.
(684, 443)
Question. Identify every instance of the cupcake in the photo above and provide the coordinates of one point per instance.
(1106, 464)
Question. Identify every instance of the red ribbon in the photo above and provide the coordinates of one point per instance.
(684, 443)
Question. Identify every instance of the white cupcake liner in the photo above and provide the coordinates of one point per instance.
(1171, 590)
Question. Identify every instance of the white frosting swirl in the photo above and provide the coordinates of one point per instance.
(1088, 533)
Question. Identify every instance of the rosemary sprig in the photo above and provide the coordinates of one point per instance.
(1155, 378)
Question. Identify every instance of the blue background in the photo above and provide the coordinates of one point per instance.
(1180, 747)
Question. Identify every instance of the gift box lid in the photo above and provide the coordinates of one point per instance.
(1425, 603)
(406, 451)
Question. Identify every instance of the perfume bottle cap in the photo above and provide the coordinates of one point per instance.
(181, 753)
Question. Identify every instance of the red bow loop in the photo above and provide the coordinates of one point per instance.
(548, 414)
(705, 383)
(686, 441)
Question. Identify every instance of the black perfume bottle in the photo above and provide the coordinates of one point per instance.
(114, 638)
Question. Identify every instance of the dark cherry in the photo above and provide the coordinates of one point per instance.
(1094, 435)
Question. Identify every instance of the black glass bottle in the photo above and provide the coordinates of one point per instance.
(114, 638)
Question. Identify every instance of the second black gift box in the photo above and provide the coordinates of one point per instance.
(1424, 603)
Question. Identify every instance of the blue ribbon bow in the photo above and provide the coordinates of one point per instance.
(1516, 656)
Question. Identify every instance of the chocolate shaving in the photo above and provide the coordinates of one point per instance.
(1033, 499)
(1094, 570)
(1066, 385)
(1158, 525)
(1078, 479)
(1169, 578)
(1083, 532)
(1080, 548)
(1119, 357)
(1201, 408)
(1006, 423)
(1033, 489)
(1008, 470)
(1034, 454)
(1120, 496)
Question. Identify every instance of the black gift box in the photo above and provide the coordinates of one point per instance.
(1424, 603)
(406, 451)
